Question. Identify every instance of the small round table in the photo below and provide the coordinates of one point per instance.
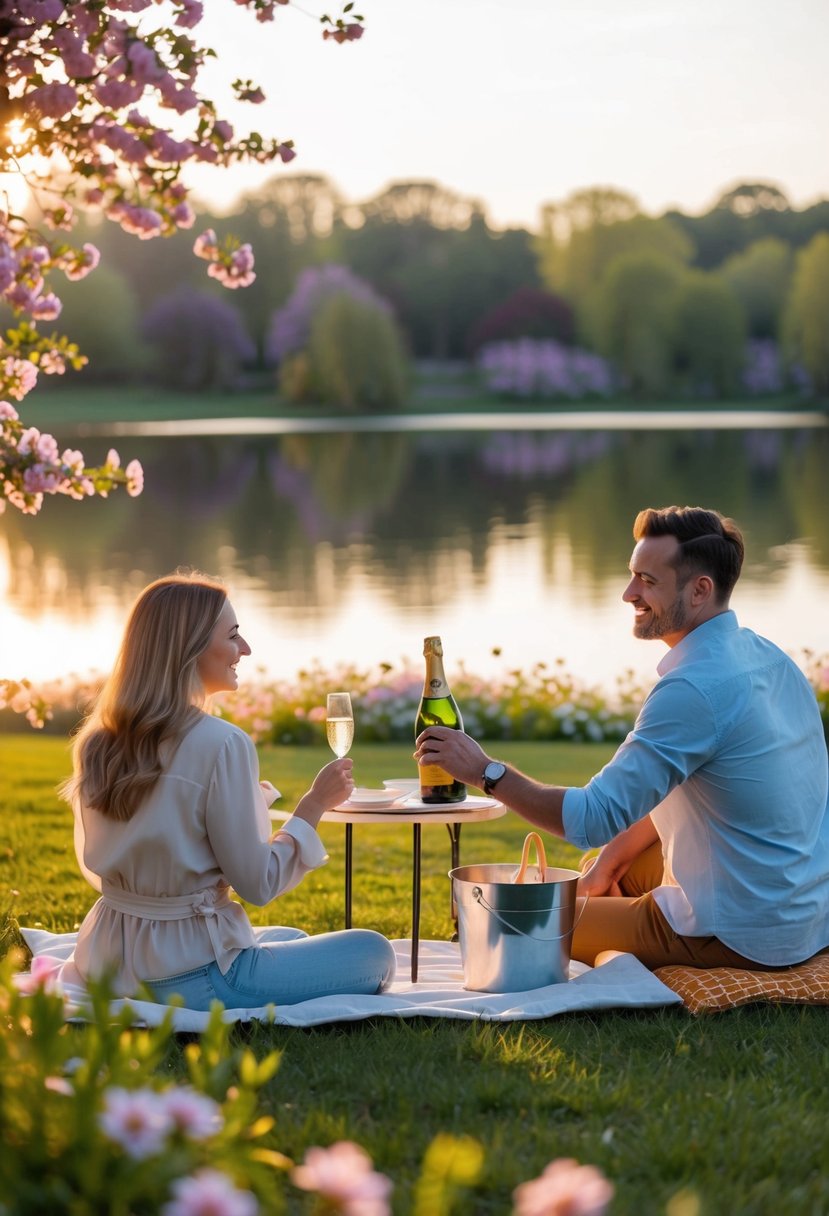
(413, 811)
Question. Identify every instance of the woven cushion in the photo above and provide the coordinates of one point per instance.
(705, 991)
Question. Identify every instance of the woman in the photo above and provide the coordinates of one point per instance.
(170, 814)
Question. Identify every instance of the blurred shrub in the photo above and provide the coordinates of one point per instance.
(527, 313)
(544, 369)
(760, 277)
(806, 318)
(199, 339)
(101, 315)
(290, 327)
(634, 319)
(709, 335)
(356, 356)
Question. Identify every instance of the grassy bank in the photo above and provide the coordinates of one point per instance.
(74, 403)
(686, 1117)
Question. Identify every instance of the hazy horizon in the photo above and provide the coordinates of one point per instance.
(520, 106)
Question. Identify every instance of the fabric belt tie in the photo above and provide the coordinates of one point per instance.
(206, 903)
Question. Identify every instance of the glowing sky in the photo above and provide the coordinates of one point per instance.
(523, 101)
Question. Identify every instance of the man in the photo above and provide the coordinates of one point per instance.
(713, 812)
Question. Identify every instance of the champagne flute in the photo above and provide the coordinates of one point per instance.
(339, 723)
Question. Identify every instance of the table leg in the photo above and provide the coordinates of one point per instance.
(454, 830)
(415, 898)
(348, 844)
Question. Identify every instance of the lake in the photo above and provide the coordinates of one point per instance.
(354, 546)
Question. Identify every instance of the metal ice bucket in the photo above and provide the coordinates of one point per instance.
(515, 935)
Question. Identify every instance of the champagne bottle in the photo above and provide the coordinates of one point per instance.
(437, 708)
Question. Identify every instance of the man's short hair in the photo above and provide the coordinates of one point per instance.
(709, 543)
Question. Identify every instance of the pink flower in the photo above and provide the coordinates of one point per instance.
(44, 970)
(190, 15)
(286, 152)
(342, 1174)
(209, 1193)
(8, 411)
(135, 1119)
(135, 478)
(206, 246)
(564, 1189)
(193, 1114)
(20, 377)
(46, 308)
(52, 100)
(83, 262)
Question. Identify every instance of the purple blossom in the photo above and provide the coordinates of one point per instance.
(291, 326)
(529, 367)
(52, 100)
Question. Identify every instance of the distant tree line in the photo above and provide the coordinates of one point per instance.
(736, 299)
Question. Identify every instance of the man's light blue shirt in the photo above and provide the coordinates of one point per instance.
(729, 757)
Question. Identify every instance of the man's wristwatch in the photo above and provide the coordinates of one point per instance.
(493, 773)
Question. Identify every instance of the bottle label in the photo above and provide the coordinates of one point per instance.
(433, 774)
(436, 686)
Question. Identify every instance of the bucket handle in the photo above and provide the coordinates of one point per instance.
(478, 896)
(532, 838)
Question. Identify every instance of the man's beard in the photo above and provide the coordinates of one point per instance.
(672, 620)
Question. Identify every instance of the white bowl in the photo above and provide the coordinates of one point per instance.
(409, 784)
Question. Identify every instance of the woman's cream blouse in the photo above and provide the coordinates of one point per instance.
(165, 874)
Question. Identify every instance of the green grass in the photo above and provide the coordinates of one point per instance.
(75, 403)
(719, 1115)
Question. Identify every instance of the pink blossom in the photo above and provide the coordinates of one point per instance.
(136, 1120)
(46, 308)
(223, 131)
(60, 217)
(40, 10)
(144, 63)
(118, 93)
(564, 1189)
(52, 363)
(8, 411)
(209, 1193)
(183, 215)
(44, 970)
(20, 376)
(206, 245)
(113, 460)
(286, 152)
(193, 1114)
(52, 100)
(343, 1175)
(134, 473)
(190, 15)
(83, 262)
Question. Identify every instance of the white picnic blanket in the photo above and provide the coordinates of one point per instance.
(622, 982)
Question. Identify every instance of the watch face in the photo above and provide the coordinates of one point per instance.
(494, 771)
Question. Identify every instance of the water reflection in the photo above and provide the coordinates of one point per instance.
(353, 546)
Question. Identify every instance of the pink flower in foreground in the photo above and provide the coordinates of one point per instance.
(564, 1189)
(342, 1174)
(209, 1193)
(135, 1119)
(42, 975)
(193, 1114)
(135, 478)
(206, 245)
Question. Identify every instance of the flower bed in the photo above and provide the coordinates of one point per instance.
(542, 704)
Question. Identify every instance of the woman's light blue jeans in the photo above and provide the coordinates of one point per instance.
(287, 966)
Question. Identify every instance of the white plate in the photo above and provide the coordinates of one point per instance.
(375, 800)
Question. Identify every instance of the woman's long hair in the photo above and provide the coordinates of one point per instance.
(151, 696)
